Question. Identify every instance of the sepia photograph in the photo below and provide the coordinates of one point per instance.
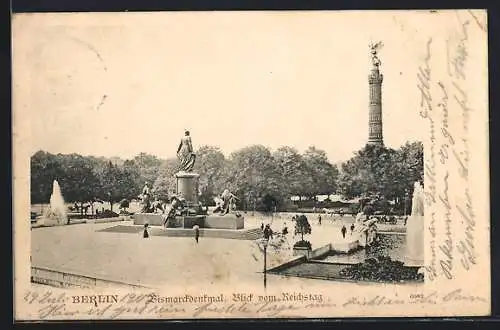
(250, 164)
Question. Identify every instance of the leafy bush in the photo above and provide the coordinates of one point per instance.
(302, 244)
(382, 269)
(124, 204)
(107, 214)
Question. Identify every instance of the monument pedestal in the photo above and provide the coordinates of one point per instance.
(152, 219)
(228, 221)
(187, 187)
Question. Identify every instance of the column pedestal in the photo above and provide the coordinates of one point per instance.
(187, 187)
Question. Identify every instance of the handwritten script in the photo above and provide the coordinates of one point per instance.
(49, 305)
(447, 156)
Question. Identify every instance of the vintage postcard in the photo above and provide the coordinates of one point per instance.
(301, 164)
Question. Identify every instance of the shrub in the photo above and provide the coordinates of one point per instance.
(302, 244)
(107, 214)
(124, 204)
(382, 269)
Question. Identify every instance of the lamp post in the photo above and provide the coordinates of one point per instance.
(265, 242)
(265, 262)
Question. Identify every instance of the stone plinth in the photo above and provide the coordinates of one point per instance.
(190, 221)
(228, 221)
(187, 186)
(152, 219)
(302, 251)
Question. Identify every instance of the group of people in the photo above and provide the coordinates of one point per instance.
(343, 230)
(268, 232)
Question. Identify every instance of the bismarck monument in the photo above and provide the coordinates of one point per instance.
(185, 209)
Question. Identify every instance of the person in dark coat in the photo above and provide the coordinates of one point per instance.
(285, 230)
(343, 231)
(268, 233)
(196, 233)
(146, 233)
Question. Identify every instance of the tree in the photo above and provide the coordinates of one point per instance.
(302, 226)
(131, 179)
(148, 167)
(45, 168)
(210, 164)
(324, 175)
(296, 178)
(111, 188)
(252, 173)
(377, 172)
(165, 183)
(79, 183)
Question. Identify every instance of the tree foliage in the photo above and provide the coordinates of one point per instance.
(261, 179)
(164, 185)
(252, 174)
(324, 175)
(302, 226)
(383, 173)
(210, 165)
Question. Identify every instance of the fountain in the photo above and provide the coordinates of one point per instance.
(415, 229)
(56, 213)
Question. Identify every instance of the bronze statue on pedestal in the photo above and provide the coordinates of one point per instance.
(185, 153)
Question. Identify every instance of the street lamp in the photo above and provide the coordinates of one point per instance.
(265, 243)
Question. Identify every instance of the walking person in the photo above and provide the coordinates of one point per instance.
(352, 228)
(343, 231)
(319, 219)
(196, 233)
(145, 234)
(285, 230)
(268, 233)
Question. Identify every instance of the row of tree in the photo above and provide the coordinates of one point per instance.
(260, 178)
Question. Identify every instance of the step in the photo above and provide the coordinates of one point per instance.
(242, 234)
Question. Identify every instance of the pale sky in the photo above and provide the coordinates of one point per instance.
(232, 79)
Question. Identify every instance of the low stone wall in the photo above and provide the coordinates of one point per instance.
(320, 252)
(152, 219)
(228, 221)
(191, 221)
(63, 279)
(40, 224)
(105, 220)
(295, 261)
(345, 247)
(244, 234)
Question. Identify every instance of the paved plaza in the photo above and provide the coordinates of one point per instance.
(170, 261)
